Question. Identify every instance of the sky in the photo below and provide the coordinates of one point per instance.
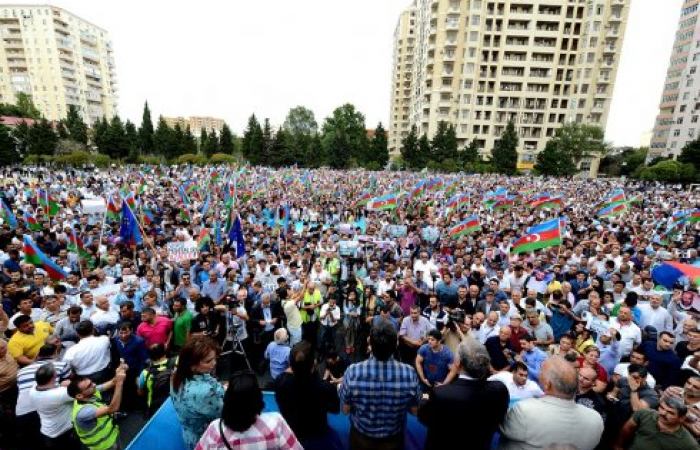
(229, 59)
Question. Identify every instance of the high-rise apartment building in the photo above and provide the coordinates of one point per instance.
(677, 121)
(196, 124)
(59, 59)
(479, 63)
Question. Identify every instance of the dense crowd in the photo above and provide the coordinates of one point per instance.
(374, 294)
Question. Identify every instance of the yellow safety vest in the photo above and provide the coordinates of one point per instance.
(103, 435)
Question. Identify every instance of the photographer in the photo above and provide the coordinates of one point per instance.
(458, 327)
(234, 324)
(330, 316)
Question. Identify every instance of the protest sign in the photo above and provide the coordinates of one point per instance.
(595, 324)
(94, 206)
(180, 251)
(110, 291)
(397, 231)
(346, 228)
(430, 234)
(348, 248)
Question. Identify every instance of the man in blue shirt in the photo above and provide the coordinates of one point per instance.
(532, 356)
(435, 362)
(378, 392)
(277, 352)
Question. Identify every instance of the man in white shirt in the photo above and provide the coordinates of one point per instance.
(90, 357)
(630, 333)
(656, 315)
(105, 318)
(330, 316)
(427, 267)
(489, 328)
(54, 406)
(25, 308)
(519, 386)
(636, 357)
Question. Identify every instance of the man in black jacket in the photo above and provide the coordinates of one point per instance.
(470, 404)
(265, 318)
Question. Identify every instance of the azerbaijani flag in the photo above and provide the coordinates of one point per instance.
(49, 204)
(148, 216)
(505, 203)
(435, 185)
(32, 222)
(363, 199)
(465, 227)
(383, 203)
(617, 197)
(458, 200)
(112, 209)
(546, 203)
(6, 212)
(417, 190)
(203, 238)
(613, 210)
(33, 255)
(545, 226)
(687, 270)
(76, 245)
(539, 239)
(142, 186)
(693, 217)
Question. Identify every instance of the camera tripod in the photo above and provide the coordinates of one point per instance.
(235, 347)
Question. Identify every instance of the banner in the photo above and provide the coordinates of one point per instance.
(596, 325)
(430, 234)
(180, 251)
(346, 228)
(110, 291)
(397, 231)
(94, 206)
(348, 248)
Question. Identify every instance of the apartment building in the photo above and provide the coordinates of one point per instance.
(677, 121)
(196, 124)
(480, 63)
(59, 59)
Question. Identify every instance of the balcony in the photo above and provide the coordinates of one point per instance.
(90, 54)
(73, 100)
(13, 43)
(89, 39)
(452, 25)
(64, 44)
(451, 43)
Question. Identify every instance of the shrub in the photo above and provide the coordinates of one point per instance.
(222, 158)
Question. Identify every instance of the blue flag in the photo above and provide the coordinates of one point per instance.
(236, 235)
(9, 216)
(217, 232)
(129, 230)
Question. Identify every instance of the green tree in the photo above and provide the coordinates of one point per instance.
(162, 139)
(344, 136)
(26, 106)
(42, 139)
(132, 142)
(444, 143)
(61, 130)
(300, 128)
(409, 148)
(146, 133)
(581, 141)
(671, 172)
(379, 147)
(267, 141)
(77, 128)
(8, 147)
(424, 152)
(470, 154)
(116, 144)
(252, 142)
(553, 162)
(504, 155)
(190, 146)
(203, 136)
(21, 135)
(100, 132)
(211, 146)
(691, 154)
(279, 153)
(226, 141)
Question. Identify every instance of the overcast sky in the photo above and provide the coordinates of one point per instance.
(229, 59)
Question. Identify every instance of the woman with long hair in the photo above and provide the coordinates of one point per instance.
(243, 425)
(198, 397)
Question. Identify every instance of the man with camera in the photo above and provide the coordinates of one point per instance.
(235, 316)
(457, 328)
(330, 316)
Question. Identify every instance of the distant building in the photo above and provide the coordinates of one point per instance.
(59, 59)
(196, 124)
(371, 132)
(677, 121)
(12, 121)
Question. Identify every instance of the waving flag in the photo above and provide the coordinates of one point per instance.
(205, 208)
(32, 222)
(417, 190)
(617, 197)
(363, 199)
(129, 230)
(458, 200)
(203, 238)
(505, 203)
(693, 217)
(8, 215)
(545, 226)
(613, 210)
(384, 203)
(547, 203)
(541, 238)
(112, 209)
(217, 232)
(48, 203)
(33, 255)
(76, 245)
(465, 227)
(236, 235)
(148, 216)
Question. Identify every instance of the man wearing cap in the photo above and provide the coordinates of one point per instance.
(516, 331)
(129, 293)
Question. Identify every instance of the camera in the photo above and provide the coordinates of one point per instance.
(232, 302)
(455, 317)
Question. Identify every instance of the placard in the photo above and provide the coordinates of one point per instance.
(346, 228)
(94, 206)
(430, 234)
(595, 324)
(110, 291)
(348, 248)
(180, 251)
(397, 231)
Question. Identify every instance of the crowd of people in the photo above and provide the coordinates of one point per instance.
(352, 293)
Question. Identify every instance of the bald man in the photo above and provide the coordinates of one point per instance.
(556, 417)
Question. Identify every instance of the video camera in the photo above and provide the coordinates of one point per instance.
(455, 317)
(231, 302)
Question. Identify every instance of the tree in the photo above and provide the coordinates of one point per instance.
(671, 172)
(21, 135)
(581, 141)
(409, 148)
(379, 147)
(444, 144)
(100, 131)
(77, 129)
(226, 141)
(190, 144)
(132, 142)
(61, 130)
(42, 140)
(26, 106)
(267, 141)
(116, 145)
(146, 133)
(504, 155)
(251, 145)
(344, 137)
(553, 162)
(203, 136)
(300, 128)
(470, 154)
(279, 153)
(162, 138)
(211, 145)
(690, 154)
(8, 147)
(424, 151)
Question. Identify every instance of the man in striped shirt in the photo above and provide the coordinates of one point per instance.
(28, 422)
(378, 392)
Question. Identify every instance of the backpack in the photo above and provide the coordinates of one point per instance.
(159, 389)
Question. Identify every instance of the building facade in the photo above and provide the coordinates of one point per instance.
(479, 63)
(196, 124)
(59, 59)
(677, 121)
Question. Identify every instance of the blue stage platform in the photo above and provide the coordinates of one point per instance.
(163, 431)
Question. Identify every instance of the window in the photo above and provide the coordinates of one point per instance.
(682, 108)
(676, 133)
(476, 20)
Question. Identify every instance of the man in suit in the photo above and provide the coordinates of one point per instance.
(488, 304)
(555, 418)
(470, 401)
(265, 317)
